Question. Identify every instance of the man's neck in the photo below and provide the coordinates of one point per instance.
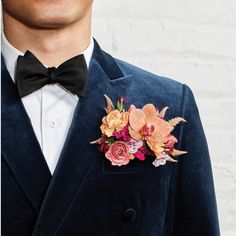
(51, 46)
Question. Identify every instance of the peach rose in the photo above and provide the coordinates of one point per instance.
(118, 154)
(114, 121)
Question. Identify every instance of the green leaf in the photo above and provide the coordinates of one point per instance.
(110, 141)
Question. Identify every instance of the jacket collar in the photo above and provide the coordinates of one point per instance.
(106, 62)
(52, 196)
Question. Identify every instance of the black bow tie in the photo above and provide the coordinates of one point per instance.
(32, 75)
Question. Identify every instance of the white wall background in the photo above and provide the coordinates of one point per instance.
(193, 42)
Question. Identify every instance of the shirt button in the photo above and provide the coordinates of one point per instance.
(53, 124)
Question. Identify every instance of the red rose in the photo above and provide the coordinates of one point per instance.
(118, 154)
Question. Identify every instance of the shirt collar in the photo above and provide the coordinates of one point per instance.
(10, 54)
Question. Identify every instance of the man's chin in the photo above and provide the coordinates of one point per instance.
(46, 23)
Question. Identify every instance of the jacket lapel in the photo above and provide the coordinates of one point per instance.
(78, 156)
(20, 147)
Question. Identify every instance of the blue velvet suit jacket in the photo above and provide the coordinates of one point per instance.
(87, 196)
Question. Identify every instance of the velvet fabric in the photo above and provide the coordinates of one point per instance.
(87, 196)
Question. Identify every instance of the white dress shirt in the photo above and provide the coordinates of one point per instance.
(50, 108)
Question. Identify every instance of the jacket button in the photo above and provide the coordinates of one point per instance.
(129, 215)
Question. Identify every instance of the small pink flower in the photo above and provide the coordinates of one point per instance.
(160, 161)
(123, 134)
(118, 154)
(134, 145)
(118, 134)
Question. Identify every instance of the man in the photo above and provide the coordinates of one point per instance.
(54, 182)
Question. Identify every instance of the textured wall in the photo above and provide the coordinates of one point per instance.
(193, 42)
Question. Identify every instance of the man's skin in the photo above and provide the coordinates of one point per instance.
(54, 30)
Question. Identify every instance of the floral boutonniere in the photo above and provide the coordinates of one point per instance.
(137, 133)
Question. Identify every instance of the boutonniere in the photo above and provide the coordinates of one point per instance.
(137, 133)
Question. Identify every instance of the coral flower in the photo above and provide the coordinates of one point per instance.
(118, 154)
(146, 125)
(114, 121)
(171, 140)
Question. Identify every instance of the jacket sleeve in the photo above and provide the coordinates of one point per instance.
(193, 202)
